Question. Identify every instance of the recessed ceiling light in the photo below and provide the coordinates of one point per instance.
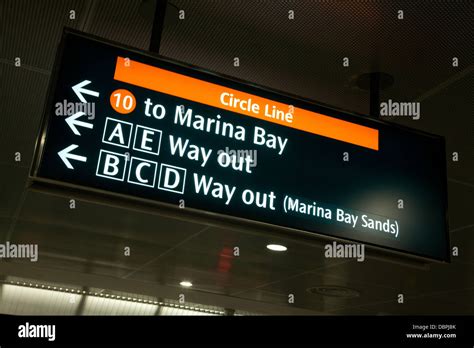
(276, 247)
(186, 284)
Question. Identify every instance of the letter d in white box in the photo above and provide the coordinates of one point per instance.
(172, 178)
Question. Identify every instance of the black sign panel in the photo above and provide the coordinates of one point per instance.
(125, 122)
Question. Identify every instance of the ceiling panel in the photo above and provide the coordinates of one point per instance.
(299, 287)
(407, 280)
(301, 255)
(58, 246)
(122, 21)
(12, 184)
(442, 304)
(33, 29)
(22, 96)
(208, 260)
(304, 56)
(102, 219)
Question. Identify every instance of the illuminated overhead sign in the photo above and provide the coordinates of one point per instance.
(120, 121)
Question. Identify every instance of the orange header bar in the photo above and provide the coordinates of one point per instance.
(222, 97)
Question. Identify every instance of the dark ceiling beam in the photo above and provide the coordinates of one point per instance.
(158, 21)
(375, 95)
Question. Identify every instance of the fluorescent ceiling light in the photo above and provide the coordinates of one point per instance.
(276, 247)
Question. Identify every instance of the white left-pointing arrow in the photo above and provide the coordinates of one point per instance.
(65, 156)
(73, 121)
(80, 90)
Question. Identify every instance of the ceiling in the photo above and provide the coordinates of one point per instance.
(84, 246)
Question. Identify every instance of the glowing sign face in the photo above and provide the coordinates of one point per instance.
(123, 122)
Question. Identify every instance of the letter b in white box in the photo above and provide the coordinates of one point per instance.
(172, 178)
(111, 165)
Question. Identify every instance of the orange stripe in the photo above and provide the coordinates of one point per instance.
(208, 93)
